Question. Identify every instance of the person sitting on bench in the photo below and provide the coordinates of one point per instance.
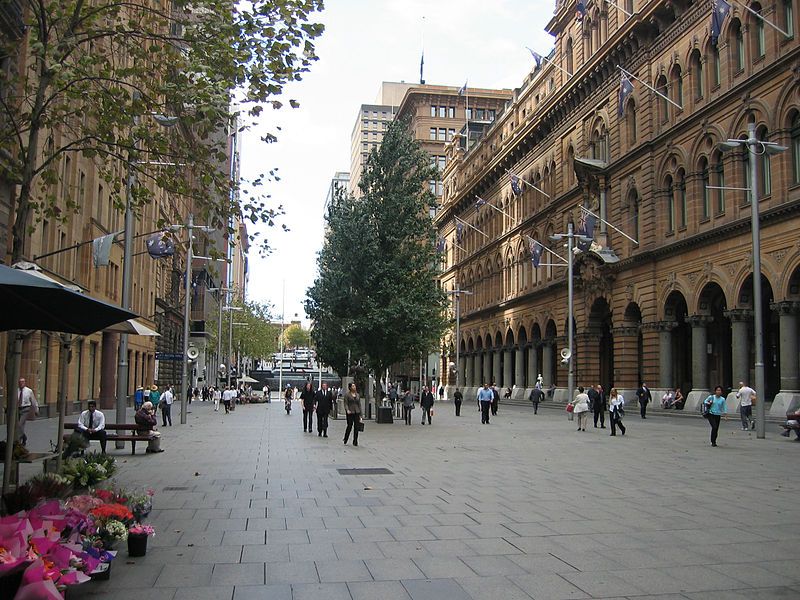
(146, 422)
(92, 424)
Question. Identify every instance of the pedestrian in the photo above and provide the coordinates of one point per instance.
(352, 408)
(644, 397)
(536, 396)
(138, 398)
(287, 398)
(227, 396)
(485, 398)
(92, 424)
(458, 398)
(616, 411)
(205, 393)
(597, 395)
(392, 396)
(154, 396)
(581, 408)
(307, 397)
(216, 395)
(715, 408)
(189, 393)
(441, 393)
(27, 407)
(324, 402)
(426, 403)
(408, 406)
(165, 403)
(495, 399)
(667, 399)
(747, 397)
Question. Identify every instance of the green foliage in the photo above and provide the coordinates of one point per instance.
(295, 336)
(93, 76)
(259, 338)
(376, 293)
(89, 470)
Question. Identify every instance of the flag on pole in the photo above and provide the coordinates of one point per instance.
(160, 245)
(440, 245)
(719, 11)
(516, 186)
(537, 57)
(586, 228)
(421, 68)
(479, 202)
(625, 90)
(101, 249)
(580, 10)
(459, 231)
(463, 90)
(536, 252)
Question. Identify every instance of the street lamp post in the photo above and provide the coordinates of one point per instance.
(457, 299)
(756, 148)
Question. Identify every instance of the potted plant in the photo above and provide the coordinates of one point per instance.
(137, 539)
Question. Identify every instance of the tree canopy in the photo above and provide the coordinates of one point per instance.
(376, 293)
(295, 336)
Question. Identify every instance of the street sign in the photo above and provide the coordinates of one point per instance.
(169, 356)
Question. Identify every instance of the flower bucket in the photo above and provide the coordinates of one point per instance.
(137, 544)
(102, 572)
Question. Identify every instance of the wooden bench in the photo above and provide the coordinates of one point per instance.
(132, 437)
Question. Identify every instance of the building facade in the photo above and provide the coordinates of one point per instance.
(673, 307)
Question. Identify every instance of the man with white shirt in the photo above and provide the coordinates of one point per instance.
(92, 424)
(227, 396)
(746, 396)
(165, 404)
(217, 396)
(28, 408)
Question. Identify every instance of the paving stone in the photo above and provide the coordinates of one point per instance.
(292, 572)
(491, 588)
(373, 590)
(437, 567)
(435, 589)
(205, 593)
(243, 538)
(311, 552)
(184, 576)
(393, 569)
(492, 565)
(238, 574)
(411, 533)
(217, 554)
(330, 571)
(263, 592)
(328, 591)
(370, 534)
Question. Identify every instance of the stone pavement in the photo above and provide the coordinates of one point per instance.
(249, 507)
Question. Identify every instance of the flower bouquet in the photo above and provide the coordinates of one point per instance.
(110, 525)
(137, 539)
(89, 470)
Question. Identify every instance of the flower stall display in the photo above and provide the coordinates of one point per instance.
(110, 524)
(137, 539)
(89, 470)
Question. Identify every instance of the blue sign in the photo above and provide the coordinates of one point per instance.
(169, 356)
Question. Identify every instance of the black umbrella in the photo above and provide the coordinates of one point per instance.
(35, 302)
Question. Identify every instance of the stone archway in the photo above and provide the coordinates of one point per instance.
(521, 379)
(598, 348)
(535, 355)
(711, 340)
(549, 350)
(675, 343)
(497, 359)
(742, 338)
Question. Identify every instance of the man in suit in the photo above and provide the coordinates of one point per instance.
(426, 403)
(495, 398)
(324, 401)
(644, 397)
(92, 424)
(599, 405)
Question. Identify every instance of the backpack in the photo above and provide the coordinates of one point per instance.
(705, 408)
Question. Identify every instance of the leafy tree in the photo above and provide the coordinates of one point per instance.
(295, 336)
(259, 337)
(376, 292)
(89, 76)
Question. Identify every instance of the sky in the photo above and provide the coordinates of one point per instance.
(367, 42)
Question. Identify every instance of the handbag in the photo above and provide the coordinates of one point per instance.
(570, 407)
(360, 426)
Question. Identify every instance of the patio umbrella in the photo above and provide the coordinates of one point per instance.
(38, 302)
(247, 379)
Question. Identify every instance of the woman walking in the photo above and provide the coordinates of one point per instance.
(715, 408)
(581, 408)
(616, 409)
(352, 406)
(408, 406)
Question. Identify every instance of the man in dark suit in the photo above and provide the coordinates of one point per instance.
(324, 401)
(598, 400)
(496, 396)
(644, 397)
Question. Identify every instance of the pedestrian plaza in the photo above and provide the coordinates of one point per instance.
(248, 506)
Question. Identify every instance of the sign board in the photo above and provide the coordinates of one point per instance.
(169, 356)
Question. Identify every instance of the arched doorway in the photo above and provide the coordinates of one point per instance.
(633, 324)
(509, 361)
(770, 323)
(549, 350)
(599, 352)
(521, 378)
(718, 336)
(678, 364)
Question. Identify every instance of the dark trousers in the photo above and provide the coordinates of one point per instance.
(322, 422)
(535, 408)
(643, 409)
(166, 414)
(746, 414)
(407, 414)
(426, 410)
(495, 403)
(616, 422)
(600, 414)
(713, 420)
(458, 407)
(308, 417)
(352, 419)
(97, 435)
(485, 411)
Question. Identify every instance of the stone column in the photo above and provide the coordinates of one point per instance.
(462, 371)
(547, 363)
(699, 391)
(665, 362)
(468, 366)
(108, 370)
(788, 334)
(533, 366)
(496, 374)
(507, 366)
(486, 374)
(519, 367)
(740, 321)
(626, 357)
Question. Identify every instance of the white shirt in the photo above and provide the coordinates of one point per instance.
(228, 395)
(745, 394)
(617, 403)
(26, 398)
(89, 421)
(217, 395)
(167, 398)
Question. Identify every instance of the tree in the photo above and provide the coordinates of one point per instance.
(258, 338)
(376, 291)
(93, 74)
(295, 336)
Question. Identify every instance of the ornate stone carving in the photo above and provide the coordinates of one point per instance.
(779, 255)
(699, 320)
(693, 277)
(739, 314)
(787, 307)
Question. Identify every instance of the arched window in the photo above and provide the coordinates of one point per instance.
(719, 173)
(788, 18)
(598, 144)
(629, 7)
(696, 66)
(682, 208)
(716, 67)
(569, 176)
(765, 177)
(705, 193)
(587, 40)
(568, 56)
(669, 192)
(633, 206)
(663, 105)
(757, 25)
(630, 122)
(795, 133)
(676, 82)
(737, 46)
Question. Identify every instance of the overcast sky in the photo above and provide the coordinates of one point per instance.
(367, 42)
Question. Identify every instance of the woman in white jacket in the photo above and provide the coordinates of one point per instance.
(581, 409)
(615, 408)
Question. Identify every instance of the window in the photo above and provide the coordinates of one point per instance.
(365, 146)
(677, 85)
(663, 105)
(766, 167)
(568, 56)
(480, 114)
(469, 114)
(696, 67)
(705, 193)
(788, 18)
(759, 43)
(570, 175)
(716, 68)
(738, 46)
(365, 134)
(66, 178)
(433, 111)
(451, 112)
(795, 147)
(442, 112)
(490, 113)
(441, 162)
(432, 186)
(746, 170)
(682, 198)
(450, 134)
(719, 171)
(99, 203)
(432, 135)
(670, 194)
(81, 189)
(442, 135)
(630, 121)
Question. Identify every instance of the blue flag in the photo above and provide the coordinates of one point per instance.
(580, 10)
(515, 185)
(719, 12)
(440, 245)
(536, 252)
(537, 57)
(160, 245)
(479, 202)
(586, 228)
(463, 90)
(459, 231)
(625, 90)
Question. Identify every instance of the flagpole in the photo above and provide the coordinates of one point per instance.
(602, 220)
(558, 256)
(619, 8)
(770, 23)
(500, 210)
(530, 185)
(472, 227)
(650, 87)
(556, 65)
